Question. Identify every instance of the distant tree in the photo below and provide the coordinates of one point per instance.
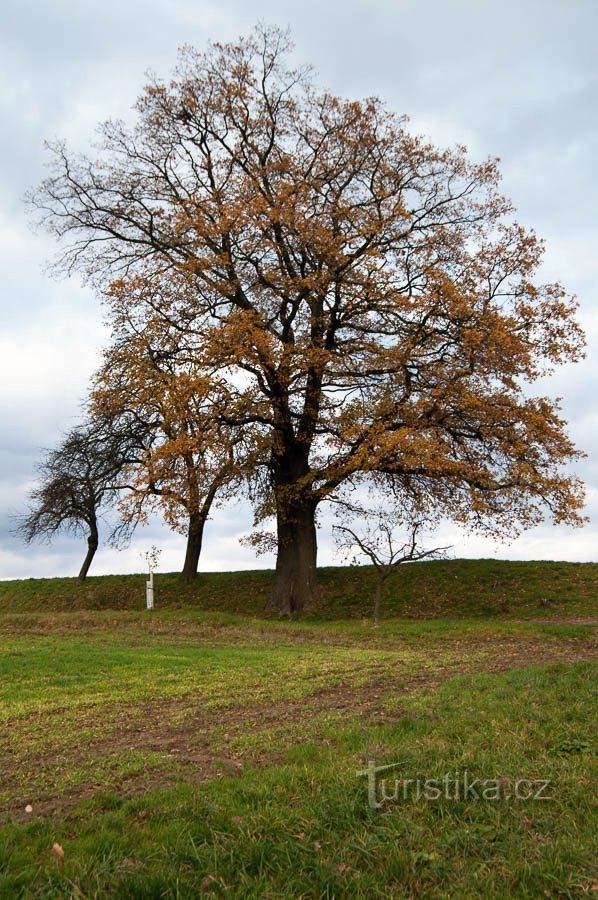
(369, 297)
(78, 482)
(388, 535)
(188, 459)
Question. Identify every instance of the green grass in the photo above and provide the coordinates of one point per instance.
(207, 748)
(303, 828)
(453, 588)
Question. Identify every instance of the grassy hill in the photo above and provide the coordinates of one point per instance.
(453, 588)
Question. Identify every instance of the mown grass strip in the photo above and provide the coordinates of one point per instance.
(430, 589)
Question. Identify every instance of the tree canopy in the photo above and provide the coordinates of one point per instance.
(187, 456)
(368, 299)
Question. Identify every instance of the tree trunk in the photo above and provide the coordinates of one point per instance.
(295, 577)
(92, 546)
(194, 540)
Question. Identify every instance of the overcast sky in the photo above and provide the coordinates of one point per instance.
(516, 79)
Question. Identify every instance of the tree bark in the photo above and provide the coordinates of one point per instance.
(295, 577)
(194, 541)
(92, 546)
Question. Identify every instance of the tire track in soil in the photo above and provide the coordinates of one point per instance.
(154, 727)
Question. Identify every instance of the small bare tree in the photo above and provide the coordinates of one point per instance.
(77, 481)
(387, 537)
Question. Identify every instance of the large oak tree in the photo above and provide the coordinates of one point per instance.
(368, 296)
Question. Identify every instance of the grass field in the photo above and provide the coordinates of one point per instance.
(209, 749)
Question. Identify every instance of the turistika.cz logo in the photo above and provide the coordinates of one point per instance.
(455, 786)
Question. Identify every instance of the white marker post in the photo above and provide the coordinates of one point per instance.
(149, 591)
(152, 561)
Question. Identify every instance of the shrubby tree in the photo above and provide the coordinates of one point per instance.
(367, 297)
(387, 531)
(78, 483)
